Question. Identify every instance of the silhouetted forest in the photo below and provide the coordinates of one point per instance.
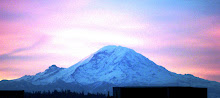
(62, 94)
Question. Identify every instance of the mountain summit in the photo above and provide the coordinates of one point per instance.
(110, 66)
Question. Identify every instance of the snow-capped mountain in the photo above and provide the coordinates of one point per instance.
(113, 66)
(119, 65)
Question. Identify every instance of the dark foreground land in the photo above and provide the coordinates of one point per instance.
(48, 94)
(62, 94)
(118, 92)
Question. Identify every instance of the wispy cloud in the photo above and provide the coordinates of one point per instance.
(11, 55)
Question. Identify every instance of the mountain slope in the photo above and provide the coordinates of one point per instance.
(110, 66)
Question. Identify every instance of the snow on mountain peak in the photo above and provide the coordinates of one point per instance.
(109, 47)
(117, 64)
(113, 48)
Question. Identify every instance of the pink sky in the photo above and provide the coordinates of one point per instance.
(181, 36)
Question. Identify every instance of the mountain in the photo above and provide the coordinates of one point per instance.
(42, 77)
(109, 66)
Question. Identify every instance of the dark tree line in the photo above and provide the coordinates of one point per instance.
(62, 94)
